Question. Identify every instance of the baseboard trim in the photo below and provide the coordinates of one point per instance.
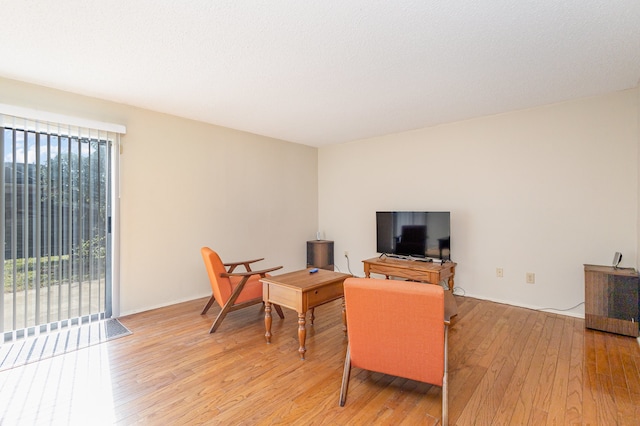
(523, 305)
(162, 305)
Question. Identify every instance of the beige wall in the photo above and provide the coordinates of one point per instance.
(186, 184)
(543, 190)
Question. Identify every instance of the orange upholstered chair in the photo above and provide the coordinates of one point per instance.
(397, 328)
(233, 290)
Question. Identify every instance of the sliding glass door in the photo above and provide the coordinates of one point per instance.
(55, 225)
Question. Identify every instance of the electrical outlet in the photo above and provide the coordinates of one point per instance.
(346, 253)
(531, 278)
(499, 273)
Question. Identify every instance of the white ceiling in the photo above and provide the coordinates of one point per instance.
(323, 72)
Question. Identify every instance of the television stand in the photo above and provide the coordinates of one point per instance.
(427, 272)
(421, 270)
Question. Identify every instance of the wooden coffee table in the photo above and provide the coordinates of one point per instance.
(302, 291)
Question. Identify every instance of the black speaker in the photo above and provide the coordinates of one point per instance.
(320, 254)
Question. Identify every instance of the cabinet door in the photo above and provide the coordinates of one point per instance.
(611, 302)
(623, 298)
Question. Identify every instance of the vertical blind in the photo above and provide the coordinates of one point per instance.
(55, 187)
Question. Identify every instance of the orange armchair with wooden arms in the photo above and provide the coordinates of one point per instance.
(233, 290)
(397, 328)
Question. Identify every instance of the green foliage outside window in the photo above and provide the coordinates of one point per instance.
(54, 270)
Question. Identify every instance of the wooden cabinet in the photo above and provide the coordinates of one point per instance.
(611, 299)
(320, 254)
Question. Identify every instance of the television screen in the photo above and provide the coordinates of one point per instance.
(415, 234)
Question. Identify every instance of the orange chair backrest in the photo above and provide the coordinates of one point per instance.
(220, 286)
(396, 327)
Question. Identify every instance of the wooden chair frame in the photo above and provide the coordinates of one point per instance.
(231, 306)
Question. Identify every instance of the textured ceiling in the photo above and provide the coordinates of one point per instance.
(324, 72)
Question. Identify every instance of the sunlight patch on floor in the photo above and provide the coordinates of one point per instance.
(73, 389)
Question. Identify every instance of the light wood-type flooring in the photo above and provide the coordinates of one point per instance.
(507, 366)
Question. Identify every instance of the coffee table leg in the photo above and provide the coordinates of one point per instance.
(312, 317)
(267, 321)
(302, 333)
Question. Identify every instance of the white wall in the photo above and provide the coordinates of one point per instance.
(638, 136)
(186, 184)
(543, 190)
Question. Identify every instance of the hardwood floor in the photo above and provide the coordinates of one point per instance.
(507, 365)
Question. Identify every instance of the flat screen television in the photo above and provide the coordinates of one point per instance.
(414, 234)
